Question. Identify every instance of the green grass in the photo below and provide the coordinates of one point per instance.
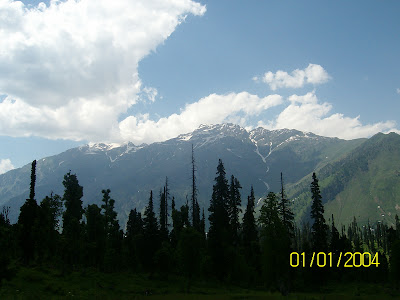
(36, 283)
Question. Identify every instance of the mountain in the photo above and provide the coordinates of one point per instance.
(365, 183)
(255, 157)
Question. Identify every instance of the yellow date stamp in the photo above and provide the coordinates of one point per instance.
(322, 259)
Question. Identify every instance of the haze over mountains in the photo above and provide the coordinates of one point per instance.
(358, 177)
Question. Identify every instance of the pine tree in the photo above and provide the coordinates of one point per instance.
(274, 244)
(151, 234)
(50, 211)
(134, 239)
(27, 220)
(113, 233)
(95, 236)
(285, 212)
(334, 244)
(219, 238)
(72, 227)
(203, 224)
(162, 216)
(250, 238)
(319, 228)
(250, 233)
(234, 208)
(166, 192)
(194, 203)
(7, 241)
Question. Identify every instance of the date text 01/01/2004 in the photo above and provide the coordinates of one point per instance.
(322, 259)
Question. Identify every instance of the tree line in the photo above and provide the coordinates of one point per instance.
(239, 247)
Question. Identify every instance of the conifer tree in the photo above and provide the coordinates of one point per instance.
(274, 243)
(95, 236)
(134, 239)
(50, 211)
(234, 208)
(219, 238)
(163, 217)
(194, 203)
(7, 249)
(250, 238)
(250, 233)
(73, 206)
(285, 212)
(203, 225)
(334, 244)
(72, 227)
(28, 219)
(113, 234)
(151, 234)
(319, 228)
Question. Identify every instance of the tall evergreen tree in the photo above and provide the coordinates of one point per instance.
(6, 246)
(134, 239)
(194, 203)
(274, 244)
(95, 236)
(151, 234)
(250, 233)
(166, 192)
(162, 216)
(72, 227)
(50, 211)
(319, 228)
(27, 220)
(234, 208)
(250, 238)
(219, 238)
(73, 206)
(113, 233)
(285, 212)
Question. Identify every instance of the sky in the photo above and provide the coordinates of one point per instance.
(75, 72)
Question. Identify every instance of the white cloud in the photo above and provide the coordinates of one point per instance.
(398, 91)
(70, 69)
(313, 74)
(212, 109)
(6, 165)
(306, 113)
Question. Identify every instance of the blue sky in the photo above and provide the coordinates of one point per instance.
(84, 71)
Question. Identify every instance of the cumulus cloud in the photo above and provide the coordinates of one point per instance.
(6, 165)
(70, 69)
(313, 74)
(306, 113)
(233, 107)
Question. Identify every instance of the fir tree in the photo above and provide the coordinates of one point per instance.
(163, 217)
(250, 238)
(285, 212)
(319, 228)
(134, 239)
(274, 243)
(95, 236)
(27, 220)
(194, 203)
(113, 234)
(151, 234)
(72, 227)
(250, 233)
(219, 238)
(234, 208)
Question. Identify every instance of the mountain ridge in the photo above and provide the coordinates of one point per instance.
(256, 157)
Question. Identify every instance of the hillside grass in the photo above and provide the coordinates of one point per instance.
(39, 283)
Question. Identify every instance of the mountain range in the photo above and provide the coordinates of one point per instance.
(358, 177)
